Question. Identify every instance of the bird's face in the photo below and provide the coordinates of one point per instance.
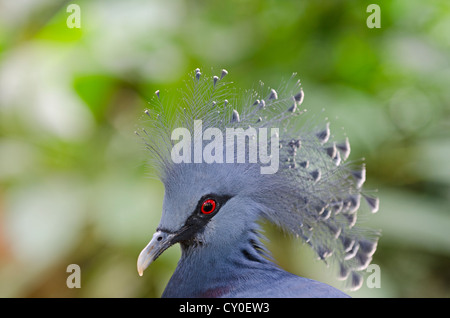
(199, 210)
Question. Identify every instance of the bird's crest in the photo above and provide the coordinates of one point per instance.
(315, 193)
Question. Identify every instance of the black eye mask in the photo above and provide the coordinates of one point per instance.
(208, 206)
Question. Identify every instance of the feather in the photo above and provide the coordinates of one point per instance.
(324, 135)
(314, 193)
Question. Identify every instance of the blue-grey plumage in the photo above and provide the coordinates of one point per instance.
(226, 258)
(212, 208)
(238, 269)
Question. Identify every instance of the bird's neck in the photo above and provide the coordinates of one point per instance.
(214, 271)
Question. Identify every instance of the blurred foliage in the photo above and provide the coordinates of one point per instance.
(74, 186)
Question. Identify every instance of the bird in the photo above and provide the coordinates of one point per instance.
(284, 168)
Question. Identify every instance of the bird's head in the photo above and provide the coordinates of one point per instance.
(207, 205)
(227, 161)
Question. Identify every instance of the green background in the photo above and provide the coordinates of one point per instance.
(74, 183)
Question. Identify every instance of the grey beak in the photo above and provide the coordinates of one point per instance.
(158, 244)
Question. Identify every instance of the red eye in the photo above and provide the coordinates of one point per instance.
(208, 206)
